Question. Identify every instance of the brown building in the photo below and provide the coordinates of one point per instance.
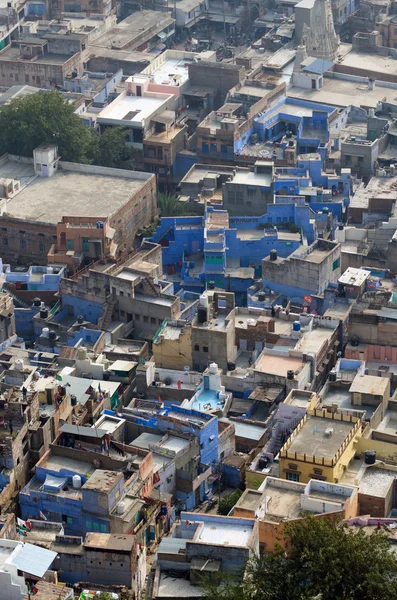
(45, 190)
(40, 62)
(161, 146)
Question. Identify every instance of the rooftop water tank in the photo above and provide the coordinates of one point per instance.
(120, 509)
(76, 482)
(296, 326)
(19, 364)
(213, 368)
(45, 332)
(82, 353)
(203, 300)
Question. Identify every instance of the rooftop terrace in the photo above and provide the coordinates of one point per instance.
(74, 193)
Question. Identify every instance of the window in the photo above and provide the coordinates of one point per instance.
(5, 241)
(251, 192)
(145, 319)
(360, 159)
(23, 244)
(196, 348)
(137, 317)
(26, 78)
(204, 148)
(335, 264)
(41, 247)
(83, 46)
(153, 320)
(84, 242)
(223, 149)
(292, 476)
(159, 153)
(213, 147)
(205, 348)
(70, 245)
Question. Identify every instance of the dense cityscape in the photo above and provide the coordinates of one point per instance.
(198, 299)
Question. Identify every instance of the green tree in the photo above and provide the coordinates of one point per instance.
(27, 122)
(111, 149)
(169, 206)
(227, 502)
(324, 560)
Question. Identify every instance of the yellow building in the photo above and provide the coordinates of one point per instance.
(321, 447)
(172, 346)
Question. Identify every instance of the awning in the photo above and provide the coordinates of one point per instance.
(164, 119)
(227, 19)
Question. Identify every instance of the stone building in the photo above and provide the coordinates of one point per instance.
(50, 202)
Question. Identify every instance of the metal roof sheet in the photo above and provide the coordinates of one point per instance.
(34, 560)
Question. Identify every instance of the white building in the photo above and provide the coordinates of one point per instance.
(18, 563)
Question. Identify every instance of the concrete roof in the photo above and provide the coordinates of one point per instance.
(131, 109)
(134, 30)
(102, 481)
(355, 277)
(369, 384)
(343, 93)
(313, 441)
(108, 541)
(376, 482)
(48, 199)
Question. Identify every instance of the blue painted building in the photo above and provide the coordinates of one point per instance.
(229, 251)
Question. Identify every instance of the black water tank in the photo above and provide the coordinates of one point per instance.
(106, 376)
(36, 302)
(231, 366)
(341, 227)
(290, 374)
(80, 319)
(261, 296)
(332, 376)
(370, 457)
(273, 255)
(52, 335)
(211, 285)
(44, 313)
(73, 400)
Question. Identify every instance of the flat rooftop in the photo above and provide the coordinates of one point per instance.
(172, 68)
(48, 199)
(134, 30)
(314, 340)
(341, 93)
(369, 384)
(376, 482)
(221, 533)
(131, 109)
(251, 178)
(59, 463)
(13, 53)
(377, 187)
(277, 365)
(313, 441)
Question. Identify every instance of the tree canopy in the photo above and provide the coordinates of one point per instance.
(324, 561)
(45, 117)
(169, 206)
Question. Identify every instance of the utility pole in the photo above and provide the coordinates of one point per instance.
(224, 22)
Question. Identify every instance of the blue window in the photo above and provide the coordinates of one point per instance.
(204, 148)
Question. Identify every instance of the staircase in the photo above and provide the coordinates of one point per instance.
(152, 287)
(17, 301)
(106, 317)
